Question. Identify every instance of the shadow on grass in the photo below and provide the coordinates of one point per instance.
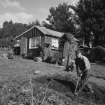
(67, 84)
(67, 88)
(58, 84)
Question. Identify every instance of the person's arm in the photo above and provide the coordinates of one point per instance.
(77, 69)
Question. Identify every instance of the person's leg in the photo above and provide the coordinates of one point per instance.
(89, 86)
(82, 82)
(84, 78)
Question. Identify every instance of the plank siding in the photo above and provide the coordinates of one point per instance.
(24, 45)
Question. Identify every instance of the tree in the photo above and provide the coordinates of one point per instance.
(91, 14)
(36, 22)
(47, 25)
(9, 31)
(60, 18)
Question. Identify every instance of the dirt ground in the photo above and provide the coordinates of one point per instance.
(17, 69)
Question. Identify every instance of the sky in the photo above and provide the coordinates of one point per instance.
(27, 11)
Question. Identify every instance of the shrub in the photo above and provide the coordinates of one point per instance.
(97, 53)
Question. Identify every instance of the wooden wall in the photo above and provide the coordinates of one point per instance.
(35, 33)
(23, 45)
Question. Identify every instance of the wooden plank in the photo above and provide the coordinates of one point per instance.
(23, 45)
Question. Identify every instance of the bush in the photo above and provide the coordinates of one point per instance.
(97, 53)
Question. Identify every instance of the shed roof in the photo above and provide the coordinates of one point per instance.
(50, 32)
(45, 31)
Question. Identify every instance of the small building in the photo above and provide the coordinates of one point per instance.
(62, 45)
(38, 36)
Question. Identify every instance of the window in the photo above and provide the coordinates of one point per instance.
(33, 42)
(54, 43)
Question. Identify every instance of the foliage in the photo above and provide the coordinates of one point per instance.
(36, 22)
(11, 30)
(47, 25)
(6, 42)
(60, 18)
(97, 53)
(91, 14)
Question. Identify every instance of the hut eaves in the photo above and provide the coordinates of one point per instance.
(45, 31)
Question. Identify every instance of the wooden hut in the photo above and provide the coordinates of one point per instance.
(38, 36)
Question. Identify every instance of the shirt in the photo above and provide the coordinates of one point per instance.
(83, 63)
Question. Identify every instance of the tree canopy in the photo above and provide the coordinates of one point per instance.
(11, 30)
(60, 18)
(91, 14)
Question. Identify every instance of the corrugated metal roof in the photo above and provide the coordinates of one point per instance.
(45, 31)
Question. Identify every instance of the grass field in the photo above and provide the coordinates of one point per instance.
(14, 75)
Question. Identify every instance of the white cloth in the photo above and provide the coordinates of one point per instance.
(87, 63)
